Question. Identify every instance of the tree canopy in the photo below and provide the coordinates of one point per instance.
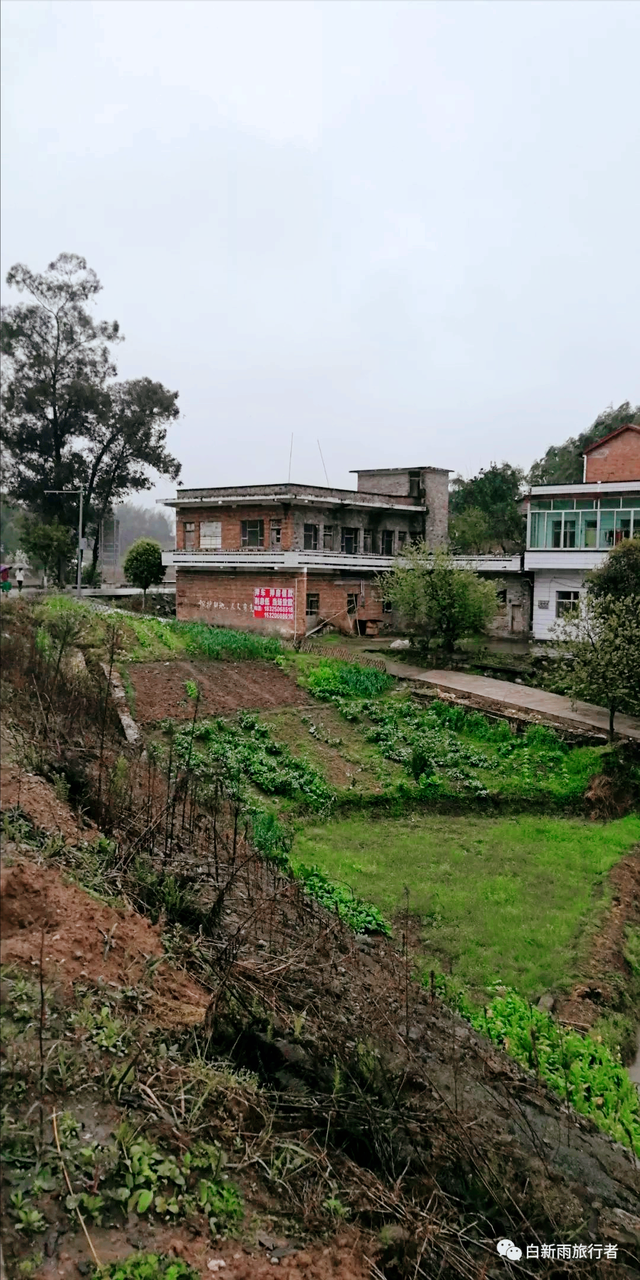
(437, 599)
(619, 575)
(143, 565)
(599, 652)
(562, 464)
(495, 492)
(66, 420)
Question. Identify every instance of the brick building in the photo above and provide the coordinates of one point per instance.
(572, 527)
(285, 558)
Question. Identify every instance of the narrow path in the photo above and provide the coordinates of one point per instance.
(550, 705)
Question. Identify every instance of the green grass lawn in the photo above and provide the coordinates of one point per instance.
(511, 900)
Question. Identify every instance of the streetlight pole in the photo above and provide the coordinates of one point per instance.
(79, 491)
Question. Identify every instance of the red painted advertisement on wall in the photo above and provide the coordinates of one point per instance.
(273, 602)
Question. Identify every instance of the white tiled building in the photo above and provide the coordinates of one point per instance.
(572, 527)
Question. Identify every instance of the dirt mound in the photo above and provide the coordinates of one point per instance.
(592, 994)
(80, 937)
(39, 801)
(225, 687)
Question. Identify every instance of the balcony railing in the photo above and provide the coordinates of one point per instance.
(275, 557)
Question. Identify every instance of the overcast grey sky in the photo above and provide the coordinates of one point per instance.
(411, 230)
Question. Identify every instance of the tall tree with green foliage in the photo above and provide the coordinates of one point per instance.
(47, 544)
(598, 652)
(496, 493)
(470, 532)
(563, 464)
(619, 575)
(143, 566)
(66, 421)
(439, 601)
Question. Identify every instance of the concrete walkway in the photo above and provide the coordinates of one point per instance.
(550, 706)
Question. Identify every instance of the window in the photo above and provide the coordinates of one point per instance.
(327, 537)
(313, 604)
(402, 539)
(414, 484)
(352, 602)
(252, 533)
(311, 537)
(211, 535)
(276, 534)
(556, 531)
(501, 596)
(350, 541)
(387, 606)
(569, 531)
(367, 541)
(623, 525)
(386, 542)
(566, 602)
(189, 536)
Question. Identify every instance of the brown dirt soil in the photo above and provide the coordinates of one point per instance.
(341, 1259)
(225, 687)
(591, 995)
(39, 801)
(83, 938)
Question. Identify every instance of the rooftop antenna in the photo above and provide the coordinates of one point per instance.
(290, 456)
(323, 464)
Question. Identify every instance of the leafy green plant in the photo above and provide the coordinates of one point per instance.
(361, 916)
(147, 1266)
(245, 748)
(580, 1069)
(27, 1217)
(347, 680)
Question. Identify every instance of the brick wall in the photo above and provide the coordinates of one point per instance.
(226, 599)
(231, 519)
(292, 521)
(615, 459)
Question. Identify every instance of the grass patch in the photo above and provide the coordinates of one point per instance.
(499, 900)
(145, 639)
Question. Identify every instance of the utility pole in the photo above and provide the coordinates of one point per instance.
(79, 491)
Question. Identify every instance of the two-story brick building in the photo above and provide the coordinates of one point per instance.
(284, 558)
(572, 527)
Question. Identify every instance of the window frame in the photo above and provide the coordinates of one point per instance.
(213, 541)
(352, 602)
(387, 536)
(275, 533)
(349, 533)
(245, 534)
(567, 602)
(310, 536)
(327, 537)
(312, 613)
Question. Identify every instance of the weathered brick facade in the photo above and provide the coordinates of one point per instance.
(616, 457)
(226, 598)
